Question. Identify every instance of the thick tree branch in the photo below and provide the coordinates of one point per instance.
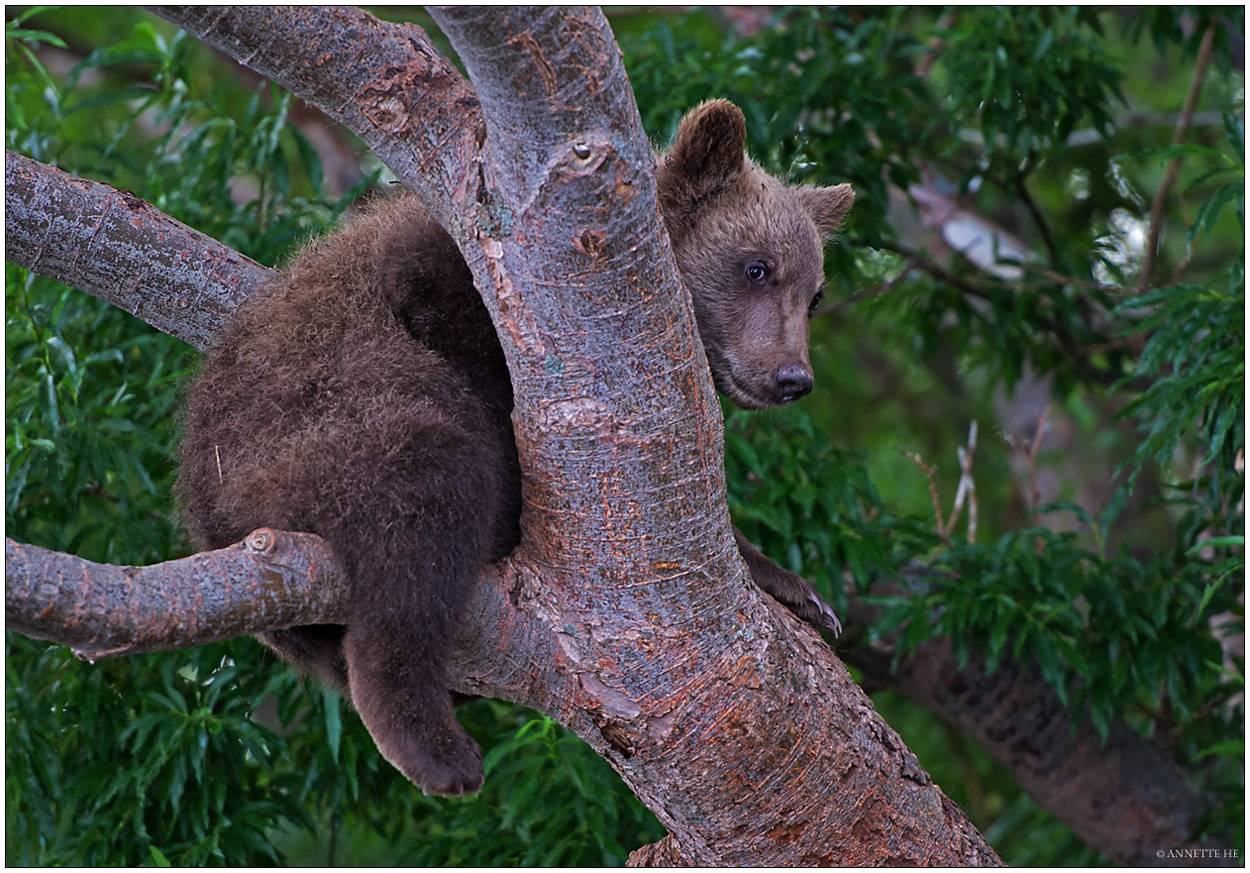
(272, 579)
(111, 244)
(569, 164)
(1123, 797)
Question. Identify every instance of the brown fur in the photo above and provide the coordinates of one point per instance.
(723, 213)
(367, 399)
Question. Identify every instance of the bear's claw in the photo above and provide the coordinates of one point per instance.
(827, 619)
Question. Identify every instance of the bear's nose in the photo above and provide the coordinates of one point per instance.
(792, 382)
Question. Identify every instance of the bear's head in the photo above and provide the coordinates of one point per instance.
(750, 249)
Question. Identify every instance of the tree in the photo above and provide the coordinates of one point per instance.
(938, 604)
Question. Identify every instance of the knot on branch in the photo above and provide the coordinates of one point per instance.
(282, 548)
(586, 154)
(260, 540)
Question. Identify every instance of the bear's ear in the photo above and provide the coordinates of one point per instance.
(709, 144)
(827, 206)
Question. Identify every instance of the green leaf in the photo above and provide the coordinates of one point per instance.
(1232, 748)
(96, 101)
(48, 405)
(34, 36)
(1235, 131)
(1217, 542)
(1209, 211)
(334, 723)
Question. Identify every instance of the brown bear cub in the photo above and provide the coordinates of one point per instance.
(366, 399)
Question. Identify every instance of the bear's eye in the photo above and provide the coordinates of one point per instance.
(811, 308)
(757, 272)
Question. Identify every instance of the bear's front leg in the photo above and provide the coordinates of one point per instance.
(790, 590)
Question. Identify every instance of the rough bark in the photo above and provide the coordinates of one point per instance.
(111, 244)
(385, 82)
(271, 579)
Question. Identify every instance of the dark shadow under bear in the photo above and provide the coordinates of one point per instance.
(366, 399)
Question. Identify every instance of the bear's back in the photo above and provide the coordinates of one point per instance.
(377, 320)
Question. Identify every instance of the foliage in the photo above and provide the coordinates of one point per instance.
(1033, 76)
(810, 505)
(1025, 122)
(138, 759)
(549, 800)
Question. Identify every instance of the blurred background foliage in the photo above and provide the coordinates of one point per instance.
(995, 270)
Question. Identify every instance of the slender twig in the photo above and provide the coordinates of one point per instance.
(1053, 277)
(967, 489)
(932, 268)
(966, 456)
(1060, 279)
(1174, 166)
(1035, 491)
(1022, 191)
(1058, 329)
(1036, 445)
(868, 293)
(931, 472)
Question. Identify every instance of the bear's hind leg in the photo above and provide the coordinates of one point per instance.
(403, 700)
(413, 573)
(413, 518)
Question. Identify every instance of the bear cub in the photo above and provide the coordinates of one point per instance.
(366, 399)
